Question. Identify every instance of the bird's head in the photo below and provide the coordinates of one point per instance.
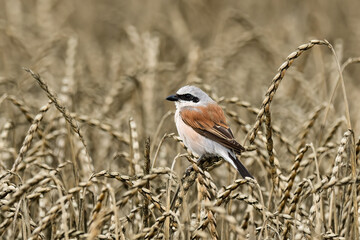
(190, 96)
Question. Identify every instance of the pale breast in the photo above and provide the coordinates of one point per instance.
(192, 140)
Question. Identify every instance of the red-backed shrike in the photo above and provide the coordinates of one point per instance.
(202, 127)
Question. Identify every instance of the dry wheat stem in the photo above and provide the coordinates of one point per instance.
(294, 172)
(29, 136)
(341, 79)
(270, 147)
(333, 130)
(294, 201)
(159, 127)
(134, 148)
(341, 69)
(102, 126)
(277, 79)
(308, 125)
(64, 112)
(244, 127)
(189, 177)
(23, 108)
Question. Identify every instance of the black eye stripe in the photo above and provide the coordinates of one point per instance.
(188, 97)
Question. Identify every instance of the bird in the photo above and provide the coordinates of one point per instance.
(202, 126)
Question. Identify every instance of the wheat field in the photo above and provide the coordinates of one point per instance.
(88, 144)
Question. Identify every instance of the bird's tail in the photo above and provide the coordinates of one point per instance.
(239, 166)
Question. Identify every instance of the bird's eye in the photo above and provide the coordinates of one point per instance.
(188, 96)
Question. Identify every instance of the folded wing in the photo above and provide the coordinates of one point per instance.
(210, 122)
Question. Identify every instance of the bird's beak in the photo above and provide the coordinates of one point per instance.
(172, 98)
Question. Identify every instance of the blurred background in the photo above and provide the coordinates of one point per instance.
(112, 63)
(113, 60)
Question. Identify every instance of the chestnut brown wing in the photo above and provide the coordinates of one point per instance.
(210, 122)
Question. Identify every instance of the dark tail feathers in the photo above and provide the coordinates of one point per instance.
(240, 167)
